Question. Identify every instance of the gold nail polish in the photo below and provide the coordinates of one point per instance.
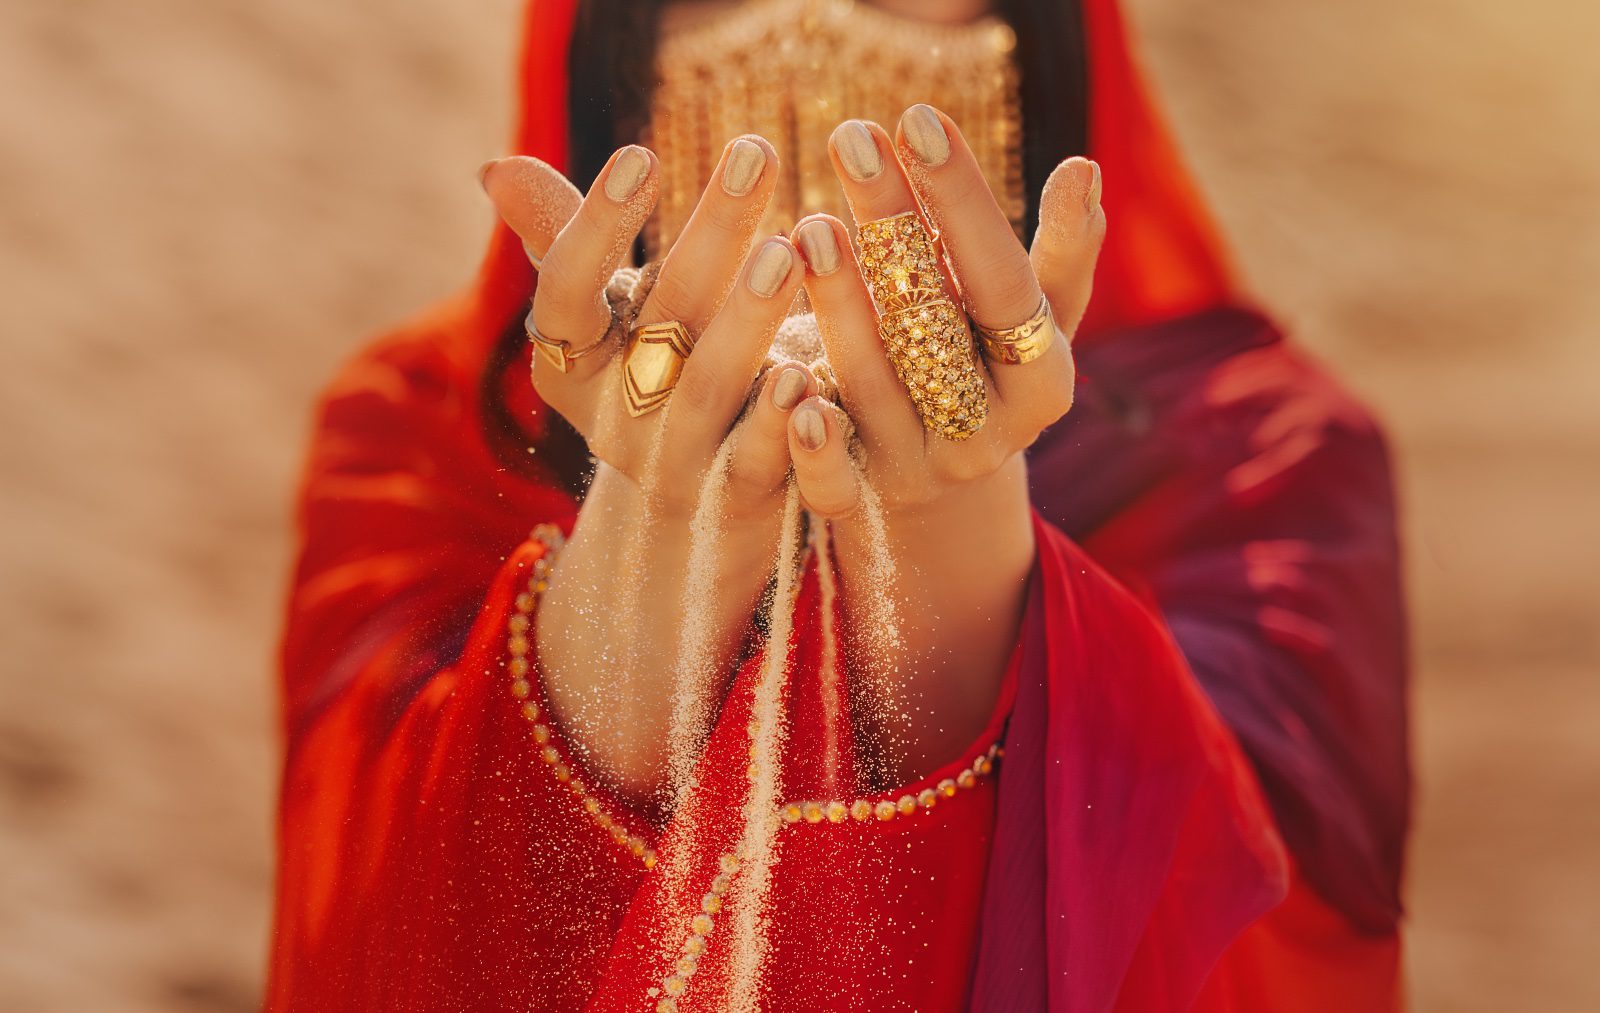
(820, 245)
(790, 388)
(742, 171)
(627, 172)
(1091, 200)
(772, 265)
(925, 134)
(483, 170)
(809, 429)
(858, 151)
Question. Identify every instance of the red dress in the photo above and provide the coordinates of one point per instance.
(1220, 674)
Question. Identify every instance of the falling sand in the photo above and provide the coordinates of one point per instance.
(756, 845)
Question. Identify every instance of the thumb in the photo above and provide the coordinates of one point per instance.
(1072, 225)
(533, 198)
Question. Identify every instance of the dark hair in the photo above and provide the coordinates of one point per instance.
(608, 103)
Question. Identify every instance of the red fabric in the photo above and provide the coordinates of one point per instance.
(1244, 496)
(428, 862)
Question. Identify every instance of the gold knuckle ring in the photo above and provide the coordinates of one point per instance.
(559, 354)
(652, 363)
(1023, 343)
(924, 333)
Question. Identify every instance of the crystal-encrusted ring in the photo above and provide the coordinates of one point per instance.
(924, 334)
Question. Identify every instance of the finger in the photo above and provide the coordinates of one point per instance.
(704, 260)
(868, 387)
(534, 198)
(716, 378)
(569, 302)
(863, 159)
(992, 268)
(876, 187)
(822, 467)
(762, 458)
(1072, 227)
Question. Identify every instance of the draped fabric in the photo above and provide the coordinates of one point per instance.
(1209, 710)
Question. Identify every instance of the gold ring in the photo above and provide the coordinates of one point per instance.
(559, 353)
(924, 333)
(652, 363)
(1023, 343)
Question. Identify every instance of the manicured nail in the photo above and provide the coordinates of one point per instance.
(770, 269)
(1086, 180)
(627, 172)
(858, 152)
(820, 246)
(483, 170)
(742, 171)
(809, 428)
(533, 257)
(925, 133)
(789, 388)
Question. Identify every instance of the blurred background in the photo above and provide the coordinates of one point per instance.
(204, 206)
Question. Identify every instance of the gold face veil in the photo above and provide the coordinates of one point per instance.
(792, 71)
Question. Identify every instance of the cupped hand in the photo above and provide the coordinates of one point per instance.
(728, 298)
(932, 171)
(609, 626)
(957, 511)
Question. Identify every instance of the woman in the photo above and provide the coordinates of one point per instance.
(884, 736)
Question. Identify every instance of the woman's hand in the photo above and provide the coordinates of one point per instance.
(957, 512)
(729, 300)
(623, 570)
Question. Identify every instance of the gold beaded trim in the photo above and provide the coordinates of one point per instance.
(862, 809)
(519, 646)
(694, 947)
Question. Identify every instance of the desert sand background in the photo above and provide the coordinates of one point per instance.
(205, 205)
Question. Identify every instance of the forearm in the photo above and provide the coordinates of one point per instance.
(962, 564)
(609, 628)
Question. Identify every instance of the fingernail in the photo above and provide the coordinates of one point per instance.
(809, 428)
(770, 269)
(790, 388)
(483, 170)
(740, 173)
(1086, 180)
(858, 152)
(820, 246)
(627, 172)
(925, 133)
(533, 256)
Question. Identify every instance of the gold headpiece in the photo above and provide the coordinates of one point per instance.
(792, 70)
